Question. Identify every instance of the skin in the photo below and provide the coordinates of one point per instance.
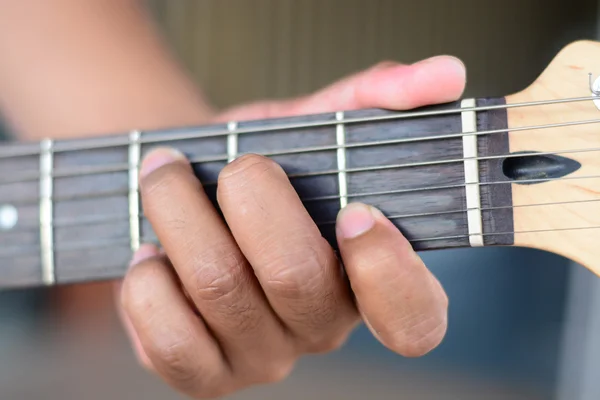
(224, 304)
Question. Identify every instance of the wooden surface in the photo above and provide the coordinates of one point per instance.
(565, 77)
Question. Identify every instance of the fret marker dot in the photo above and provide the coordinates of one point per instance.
(8, 217)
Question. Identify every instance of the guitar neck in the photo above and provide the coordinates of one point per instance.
(70, 210)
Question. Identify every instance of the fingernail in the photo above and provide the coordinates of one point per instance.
(158, 158)
(145, 252)
(356, 219)
(457, 62)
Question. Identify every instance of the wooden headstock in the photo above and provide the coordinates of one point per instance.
(571, 226)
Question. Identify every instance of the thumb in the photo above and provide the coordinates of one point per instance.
(400, 300)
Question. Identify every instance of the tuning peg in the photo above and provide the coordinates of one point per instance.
(595, 92)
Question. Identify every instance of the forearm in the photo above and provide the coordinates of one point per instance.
(81, 67)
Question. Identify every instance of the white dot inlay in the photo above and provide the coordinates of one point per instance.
(9, 216)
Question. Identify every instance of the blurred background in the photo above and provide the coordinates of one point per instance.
(521, 321)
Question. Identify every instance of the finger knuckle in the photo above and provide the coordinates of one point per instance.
(244, 317)
(302, 279)
(219, 279)
(295, 274)
(218, 274)
(174, 362)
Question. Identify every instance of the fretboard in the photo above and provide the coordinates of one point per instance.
(70, 210)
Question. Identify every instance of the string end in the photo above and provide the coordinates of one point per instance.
(595, 92)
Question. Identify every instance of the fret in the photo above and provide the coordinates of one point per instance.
(100, 263)
(471, 165)
(341, 159)
(279, 140)
(313, 162)
(13, 233)
(21, 223)
(17, 193)
(46, 213)
(65, 158)
(232, 141)
(134, 196)
(69, 212)
(451, 202)
(195, 148)
(192, 147)
(496, 197)
(95, 185)
(115, 228)
(75, 264)
(80, 197)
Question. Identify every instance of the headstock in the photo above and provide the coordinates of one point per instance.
(562, 215)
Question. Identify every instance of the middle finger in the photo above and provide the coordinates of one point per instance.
(295, 265)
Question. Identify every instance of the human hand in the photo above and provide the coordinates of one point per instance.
(227, 305)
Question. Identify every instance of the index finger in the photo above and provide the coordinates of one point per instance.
(399, 298)
(387, 85)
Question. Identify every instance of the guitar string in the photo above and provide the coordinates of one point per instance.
(30, 149)
(30, 201)
(111, 243)
(82, 171)
(110, 219)
(407, 115)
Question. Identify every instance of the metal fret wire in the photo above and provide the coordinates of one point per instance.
(83, 171)
(172, 135)
(108, 243)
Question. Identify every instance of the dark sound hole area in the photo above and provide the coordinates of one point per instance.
(532, 168)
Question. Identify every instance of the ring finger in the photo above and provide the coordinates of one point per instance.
(210, 265)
